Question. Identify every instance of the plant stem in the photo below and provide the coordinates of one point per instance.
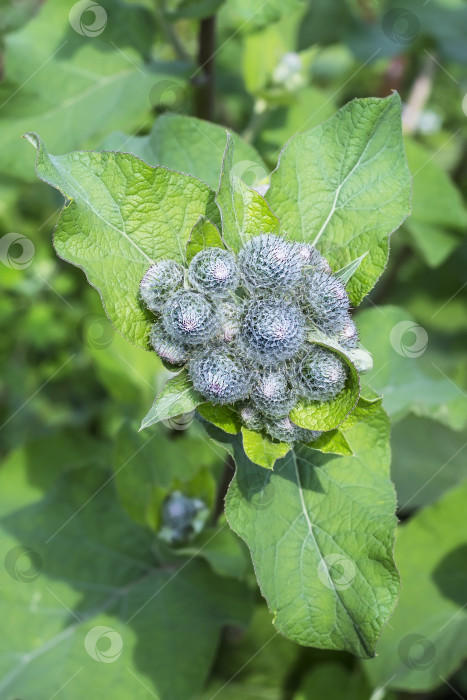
(204, 76)
(170, 33)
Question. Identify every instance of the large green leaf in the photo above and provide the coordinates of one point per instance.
(403, 372)
(191, 146)
(426, 640)
(72, 87)
(320, 529)
(345, 187)
(244, 211)
(89, 608)
(122, 216)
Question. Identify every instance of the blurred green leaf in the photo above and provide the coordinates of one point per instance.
(320, 530)
(425, 641)
(325, 190)
(117, 205)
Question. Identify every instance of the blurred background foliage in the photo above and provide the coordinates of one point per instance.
(137, 76)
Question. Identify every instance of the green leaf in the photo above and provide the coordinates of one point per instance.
(433, 242)
(177, 396)
(345, 187)
(428, 460)
(262, 450)
(203, 235)
(88, 604)
(327, 415)
(244, 211)
(346, 272)
(403, 371)
(321, 533)
(334, 681)
(122, 216)
(250, 17)
(73, 88)
(425, 642)
(335, 441)
(222, 550)
(191, 146)
(223, 417)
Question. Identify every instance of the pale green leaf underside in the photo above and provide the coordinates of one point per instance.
(177, 396)
(261, 450)
(203, 235)
(321, 532)
(244, 211)
(425, 642)
(345, 187)
(123, 215)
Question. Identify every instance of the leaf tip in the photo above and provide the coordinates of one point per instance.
(33, 139)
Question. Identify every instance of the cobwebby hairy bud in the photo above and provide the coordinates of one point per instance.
(230, 317)
(270, 262)
(325, 301)
(159, 282)
(167, 349)
(321, 375)
(251, 417)
(219, 377)
(312, 259)
(284, 430)
(213, 270)
(188, 317)
(273, 393)
(273, 330)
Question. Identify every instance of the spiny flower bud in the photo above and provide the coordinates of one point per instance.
(159, 282)
(230, 315)
(322, 375)
(347, 334)
(213, 270)
(167, 349)
(284, 430)
(325, 301)
(270, 262)
(273, 394)
(188, 317)
(312, 259)
(218, 377)
(273, 330)
(251, 417)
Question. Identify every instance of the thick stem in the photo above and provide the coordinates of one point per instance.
(203, 79)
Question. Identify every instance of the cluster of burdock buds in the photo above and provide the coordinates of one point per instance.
(241, 324)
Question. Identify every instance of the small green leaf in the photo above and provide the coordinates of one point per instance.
(223, 417)
(327, 415)
(262, 450)
(345, 187)
(320, 529)
(176, 396)
(346, 272)
(203, 235)
(122, 216)
(244, 211)
(333, 442)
